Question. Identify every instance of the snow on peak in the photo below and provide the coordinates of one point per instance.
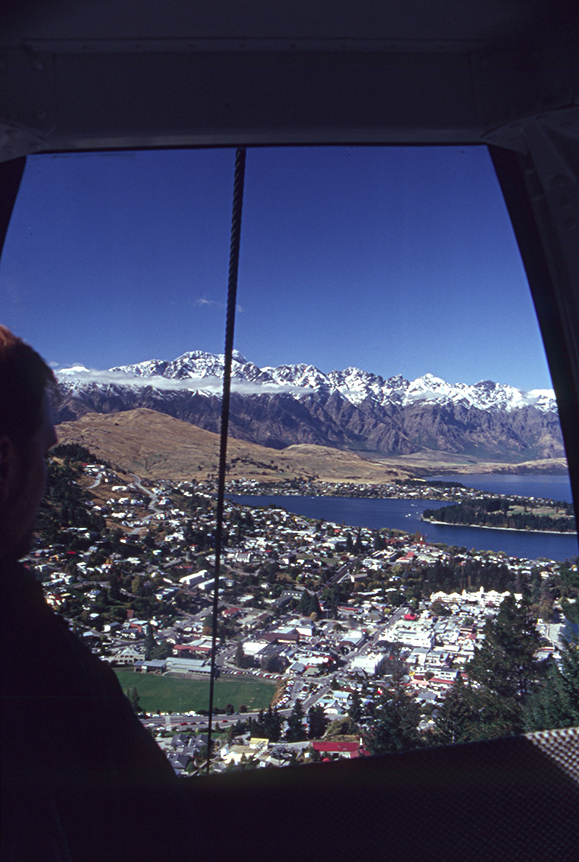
(428, 388)
(198, 371)
(484, 395)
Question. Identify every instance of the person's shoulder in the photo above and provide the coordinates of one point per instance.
(22, 602)
(38, 642)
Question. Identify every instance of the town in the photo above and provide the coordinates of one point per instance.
(325, 614)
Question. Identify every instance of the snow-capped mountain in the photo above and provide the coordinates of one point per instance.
(351, 409)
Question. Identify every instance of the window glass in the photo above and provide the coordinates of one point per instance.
(383, 313)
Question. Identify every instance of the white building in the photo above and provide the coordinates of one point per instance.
(367, 662)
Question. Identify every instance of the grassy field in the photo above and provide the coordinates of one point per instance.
(175, 695)
(550, 511)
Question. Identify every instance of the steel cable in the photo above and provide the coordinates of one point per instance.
(235, 241)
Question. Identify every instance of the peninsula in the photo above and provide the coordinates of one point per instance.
(507, 512)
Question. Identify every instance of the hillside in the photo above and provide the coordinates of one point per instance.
(157, 446)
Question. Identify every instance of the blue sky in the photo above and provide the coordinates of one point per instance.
(395, 260)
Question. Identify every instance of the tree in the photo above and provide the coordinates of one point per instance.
(114, 589)
(149, 643)
(244, 764)
(309, 604)
(355, 707)
(391, 664)
(505, 664)
(241, 660)
(273, 664)
(468, 714)
(162, 651)
(272, 724)
(295, 730)
(266, 725)
(571, 611)
(268, 572)
(133, 696)
(341, 727)
(555, 704)
(379, 543)
(545, 611)
(317, 722)
(395, 726)
(501, 676)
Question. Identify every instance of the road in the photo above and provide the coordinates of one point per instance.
(340, 574)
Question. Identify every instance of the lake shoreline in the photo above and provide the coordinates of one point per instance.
(404, 515)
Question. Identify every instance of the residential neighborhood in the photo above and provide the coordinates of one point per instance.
(326, 612)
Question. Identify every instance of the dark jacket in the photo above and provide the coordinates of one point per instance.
(81, 777)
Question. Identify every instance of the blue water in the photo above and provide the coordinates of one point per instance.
(405, 515)
(550, 487)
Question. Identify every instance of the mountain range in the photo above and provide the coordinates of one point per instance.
(350, 410)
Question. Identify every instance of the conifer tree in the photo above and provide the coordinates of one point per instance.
(379, 543)
(240, 657)
(149, 642)
(355, 707)
(556, 702)
(470, 714)
(395, 726)
(295, 730)
(396, 717)
(309, 604)
(501, 676)
(114, 588)
(272, 725)
(456, 716)
(317, 722)
(505, 663)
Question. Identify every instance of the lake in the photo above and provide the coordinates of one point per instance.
(552, 487)
(405, 514)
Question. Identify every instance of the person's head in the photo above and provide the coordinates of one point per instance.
(26, 434)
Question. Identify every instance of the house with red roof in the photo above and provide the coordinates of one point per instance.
(346, 749)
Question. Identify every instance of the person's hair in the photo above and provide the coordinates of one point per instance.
(24, 378)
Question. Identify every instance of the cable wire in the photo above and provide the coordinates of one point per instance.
(238, 183)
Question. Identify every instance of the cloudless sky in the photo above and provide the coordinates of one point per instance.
(397, 260)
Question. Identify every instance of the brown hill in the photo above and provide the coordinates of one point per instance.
(157, 446)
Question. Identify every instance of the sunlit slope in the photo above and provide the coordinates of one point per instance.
(158, 446)
(155, 445)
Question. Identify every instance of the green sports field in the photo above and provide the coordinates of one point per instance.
(182, 695)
